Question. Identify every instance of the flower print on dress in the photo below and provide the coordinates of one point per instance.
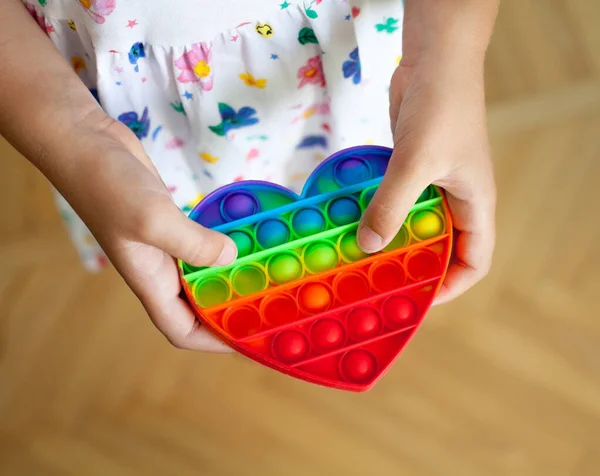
(195, 66)
(139, 125)
(265, 30)
(307, 36)
(390, 25)
(188, 207)
(312, 141)
(178, 107)
(78, 64)
(252, 154)
(135, 53)
(230, 119)
(250, 80)
(351, 67)
(309, 11)
(208, 158)
(312, 73)
(175, 143)
(98, 9)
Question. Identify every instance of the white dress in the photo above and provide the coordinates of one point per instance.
(226, 90)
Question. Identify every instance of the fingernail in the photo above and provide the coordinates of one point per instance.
(368, 240)
(227, 256)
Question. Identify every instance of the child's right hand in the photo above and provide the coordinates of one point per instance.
(118, 193)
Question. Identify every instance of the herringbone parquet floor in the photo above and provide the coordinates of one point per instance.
(503, 381)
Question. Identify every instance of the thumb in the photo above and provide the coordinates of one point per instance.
(399, 190)
(170, 230)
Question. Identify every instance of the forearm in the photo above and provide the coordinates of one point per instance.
(43, 104)
(447, 28)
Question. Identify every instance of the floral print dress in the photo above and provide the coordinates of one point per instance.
(229, 90)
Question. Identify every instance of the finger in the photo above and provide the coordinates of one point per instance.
(398, 192)
(152, 275)
(174, 318)
(474, 235)
(463, 273)
(172, 315)
(168, 229)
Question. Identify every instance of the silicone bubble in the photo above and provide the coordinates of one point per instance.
(279, 309)
(315, 297)
(327, 334)
(426, 224)
(351, 171)
(358, 366)
(308, 221)
(363, 323)
(243, 241)
(211, 291)
(423, 264)
(284, 267)
(351, 287)
(320, 256)
(349, 247)
(248, 279)
(290, 346)
(242, 322)
(343, 211)
(399, 312)
(271, 233)
(387, 275)
(239, 205)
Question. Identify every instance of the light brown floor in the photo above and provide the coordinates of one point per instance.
(504, 381)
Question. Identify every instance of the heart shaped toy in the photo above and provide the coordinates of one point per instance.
(302, 298)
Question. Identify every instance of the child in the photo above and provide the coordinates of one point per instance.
(190, 95)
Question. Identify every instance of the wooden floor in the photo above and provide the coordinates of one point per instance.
(504, 381)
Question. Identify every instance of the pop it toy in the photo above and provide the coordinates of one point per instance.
(302, 297)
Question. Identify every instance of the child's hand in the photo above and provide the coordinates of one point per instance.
(100, 167)
(119, 195)
(437, 109)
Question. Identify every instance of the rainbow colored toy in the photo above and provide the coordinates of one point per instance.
(302, 298)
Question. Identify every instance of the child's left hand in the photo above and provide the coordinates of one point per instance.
(437, 109)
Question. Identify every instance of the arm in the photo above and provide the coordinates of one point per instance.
(437, 112)
(99, 166)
